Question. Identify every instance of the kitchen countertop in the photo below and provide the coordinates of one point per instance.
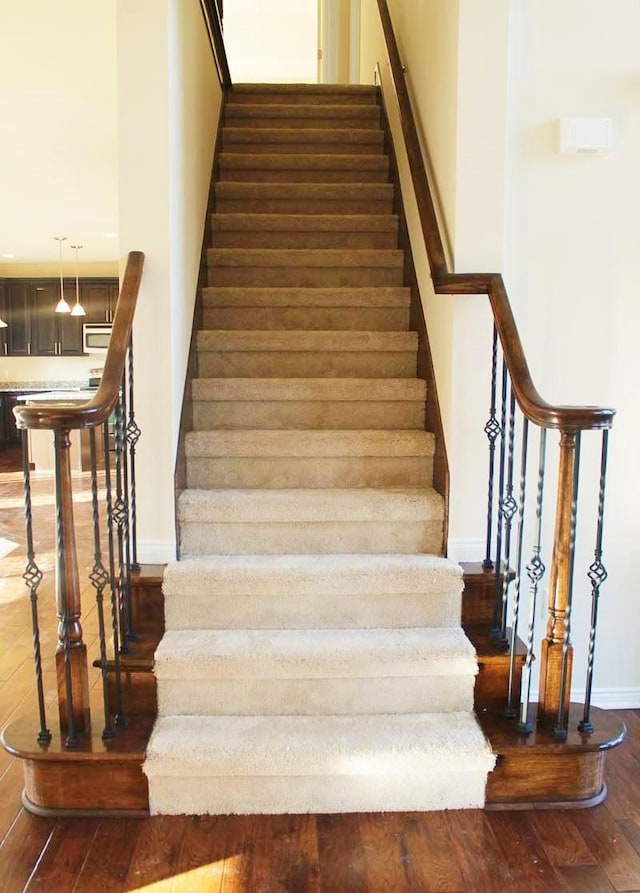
(25, 387)
(79, 395)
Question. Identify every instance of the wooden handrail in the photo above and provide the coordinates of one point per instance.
(65, 416)
(534, 407)
(211, 12)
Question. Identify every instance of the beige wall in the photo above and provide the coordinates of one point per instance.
(272, 42)
(169, 103)
(488, 90)
(58, 114)
(573, 267)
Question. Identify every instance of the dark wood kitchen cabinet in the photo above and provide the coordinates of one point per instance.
(53, 334)
(33, 327)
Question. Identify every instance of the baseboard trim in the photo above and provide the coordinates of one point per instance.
(606, 698)
(465, 549)
(150, 552)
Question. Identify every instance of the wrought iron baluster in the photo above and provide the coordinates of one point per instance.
(560, 730)
(120, 719)
(33, 577)
(126, 540)
(496, 630)
(133, 436)
(492, 430)
(510, 710)
(509, 508)
(99, 579)
(597, 575)
(119, 513)
(535, 572)
(71, 740)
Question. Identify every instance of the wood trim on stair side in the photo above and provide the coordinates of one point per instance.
(186, 412)
(418, 323)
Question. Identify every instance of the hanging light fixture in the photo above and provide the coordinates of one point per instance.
(78, 309)
(3, 324)
(61, 306)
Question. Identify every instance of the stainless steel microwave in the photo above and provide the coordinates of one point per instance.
(95, 337)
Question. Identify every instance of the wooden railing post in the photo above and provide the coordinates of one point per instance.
(71, 652)
(556, 656)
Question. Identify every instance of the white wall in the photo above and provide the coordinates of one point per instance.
(168, 107)
(272, 42)
(58, 114)
(573, 267)
(488, 90)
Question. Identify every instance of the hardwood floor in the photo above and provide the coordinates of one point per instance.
(587, 851)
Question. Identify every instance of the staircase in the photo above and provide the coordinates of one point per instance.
(313, 659)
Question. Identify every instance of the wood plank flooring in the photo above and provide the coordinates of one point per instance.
(587, 851)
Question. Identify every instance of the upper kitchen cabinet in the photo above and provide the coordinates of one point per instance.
(53, 334)
(34, 329)
(4, 347)
(99, 298)
(18, 298)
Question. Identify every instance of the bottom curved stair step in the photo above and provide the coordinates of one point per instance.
(325, 764)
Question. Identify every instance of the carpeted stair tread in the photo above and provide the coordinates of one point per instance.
(314, 653)
(294, 444)
(244, 163)
(297, 257)
(264, 296)
(310, 574)
(344, 223)
(302, 115)
(316, 141)
(316, 745)
(312, 506)
(221, 340)
(376, 192)
(303, 93)
(309, 389)
(312, 592)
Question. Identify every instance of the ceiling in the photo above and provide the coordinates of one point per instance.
(58, 126)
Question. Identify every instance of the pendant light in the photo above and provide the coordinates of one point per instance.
(78, 309)
(61, 306)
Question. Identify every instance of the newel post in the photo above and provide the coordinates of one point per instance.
(71, 652)
(556, 657)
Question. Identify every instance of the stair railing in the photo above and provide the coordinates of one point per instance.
(110, 421)
(212, 11)
(515, 405)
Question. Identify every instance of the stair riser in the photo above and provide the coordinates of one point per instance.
(301, 364)
(326, 471)
(315, 414)
(293, 239)
(302, 124)
(368, 319)
(319, 611)
(361, 142)
(302, 538)
(303, 96)
(242, 175)
(325, 794)
(302, 206)
(312, 697)
(305, 277)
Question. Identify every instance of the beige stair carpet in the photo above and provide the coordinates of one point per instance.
(313, 659)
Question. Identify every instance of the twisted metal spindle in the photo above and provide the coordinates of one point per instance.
(535, 572)
(126, 539)
(492, 430)
(99, 579)
(509, 508)
(119, 719)
(597, 575)
(510, 710)
(496, 629)
(71, 740)
(33, 577)
(560, 730)
(119, 514)
(133, 436)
